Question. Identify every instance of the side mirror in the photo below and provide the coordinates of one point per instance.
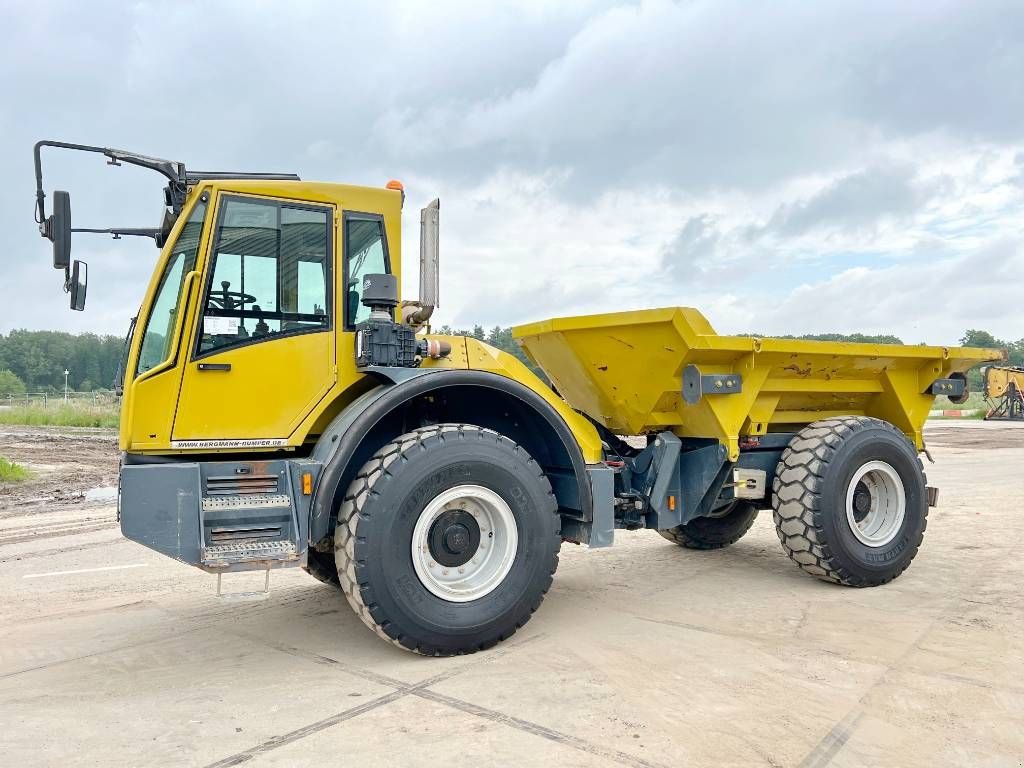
(79, 285)
(430, 233)
(58, 230)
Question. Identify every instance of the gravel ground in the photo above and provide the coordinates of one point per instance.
(642, 655)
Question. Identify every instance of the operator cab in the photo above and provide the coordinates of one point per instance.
(257, 297)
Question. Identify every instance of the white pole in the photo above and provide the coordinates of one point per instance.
(66, 374)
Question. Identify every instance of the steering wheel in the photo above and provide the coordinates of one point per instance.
(228, 300)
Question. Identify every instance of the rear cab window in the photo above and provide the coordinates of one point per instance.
(366, 253)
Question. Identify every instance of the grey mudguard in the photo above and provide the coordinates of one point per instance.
(338, 443)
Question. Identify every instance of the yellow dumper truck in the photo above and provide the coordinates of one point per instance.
(1004, 390)
(283, 407)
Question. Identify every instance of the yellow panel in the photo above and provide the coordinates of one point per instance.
(625, 370)
(292, 388)
(149, 428)
(271, 388)
(998, 380)
(475, 355)
(148, 403)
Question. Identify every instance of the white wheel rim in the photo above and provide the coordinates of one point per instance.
(876, 504)
(489, 562)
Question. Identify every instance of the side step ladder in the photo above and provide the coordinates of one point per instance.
(248, 520)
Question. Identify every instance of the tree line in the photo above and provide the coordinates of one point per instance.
(35, 361)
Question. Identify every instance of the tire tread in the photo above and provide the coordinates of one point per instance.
(358, 591)
(796, 499)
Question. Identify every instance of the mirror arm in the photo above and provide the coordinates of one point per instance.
(171, 169)
(123, 231)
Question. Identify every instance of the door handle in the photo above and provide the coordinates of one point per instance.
(214, 366)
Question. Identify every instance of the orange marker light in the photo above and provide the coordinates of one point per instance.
(672, 503)
(307, 483)
(396, 185)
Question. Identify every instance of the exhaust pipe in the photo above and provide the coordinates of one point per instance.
(430, 220)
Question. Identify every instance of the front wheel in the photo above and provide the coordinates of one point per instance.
(849, 501)
(447, 539)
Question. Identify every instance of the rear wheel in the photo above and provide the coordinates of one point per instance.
(714, 532)
(849, 501)
(447, 539)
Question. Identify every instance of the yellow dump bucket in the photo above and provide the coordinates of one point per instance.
(626, 370)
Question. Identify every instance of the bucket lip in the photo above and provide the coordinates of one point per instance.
(960, 357)
(601, 319)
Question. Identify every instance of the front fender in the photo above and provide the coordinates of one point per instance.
(339, 442)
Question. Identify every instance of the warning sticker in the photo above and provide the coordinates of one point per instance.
(220, 326)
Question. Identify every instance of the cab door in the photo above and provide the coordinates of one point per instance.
(263, 349)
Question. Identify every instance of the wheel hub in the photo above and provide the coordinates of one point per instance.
(454, 538)
(861, 501)
(876, 504)
(464, 543)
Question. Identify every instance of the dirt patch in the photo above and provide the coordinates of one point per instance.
(65, 462)
(991, 435)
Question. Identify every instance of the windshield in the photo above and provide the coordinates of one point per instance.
(122, 364)
(157, 341)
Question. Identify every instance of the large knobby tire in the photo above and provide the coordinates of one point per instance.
(447, 486)
(714, 532)
(849, 501)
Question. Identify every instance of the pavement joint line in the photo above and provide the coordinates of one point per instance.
(833, 741)
(376, 677)
(307, 730)
(85, 570)
(421, 690)
(130, 646)
(318, 658)
(797, 642)
(187, 625)
(401, 691)
(80, 612)
(890, 667)
(535, 729)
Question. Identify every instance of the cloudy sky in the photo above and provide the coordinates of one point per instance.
(785, 167)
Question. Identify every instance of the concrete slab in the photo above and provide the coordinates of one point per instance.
(642, 655)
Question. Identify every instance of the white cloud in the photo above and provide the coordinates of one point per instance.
(764, 162)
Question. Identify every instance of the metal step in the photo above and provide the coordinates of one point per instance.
(220, 503)
(248, 552)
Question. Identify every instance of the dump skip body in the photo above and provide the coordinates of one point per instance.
(626, 370)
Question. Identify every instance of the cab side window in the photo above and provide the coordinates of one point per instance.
(366, 253)
(158, 339)
(270, 273)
